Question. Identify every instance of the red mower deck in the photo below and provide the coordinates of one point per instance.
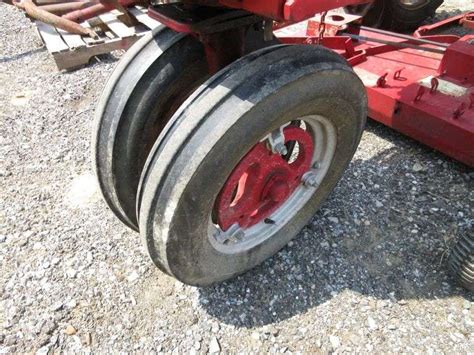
(425, 92)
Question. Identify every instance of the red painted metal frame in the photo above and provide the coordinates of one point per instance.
(396, 78)
(289, 10)
(467, 20)
(225, 46)
(427, 96)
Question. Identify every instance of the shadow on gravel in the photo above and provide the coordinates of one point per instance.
(22, 55)
(384, 232)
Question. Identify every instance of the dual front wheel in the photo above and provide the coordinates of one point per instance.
(219, 181)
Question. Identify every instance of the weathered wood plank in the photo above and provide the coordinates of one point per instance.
(81, 56)
(110, 35)
(142, 16)
(116, 26)
(71, 51)
(51, 38)
(72, 40)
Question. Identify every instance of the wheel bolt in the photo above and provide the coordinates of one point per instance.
(281, 149)
(233, 234)
(310, 179)
(276, 142)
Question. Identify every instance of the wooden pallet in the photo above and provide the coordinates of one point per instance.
(71, 51)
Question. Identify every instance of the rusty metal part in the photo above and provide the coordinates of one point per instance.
(65, 7)
(206, 21)
(98, 9)
(50, 2)
(44, 16)
(87, 13)
(231, 40)
(221, 31)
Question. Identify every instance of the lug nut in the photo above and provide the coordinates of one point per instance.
(233, 234)
(310, 179)
(276, 142)
(281, 149)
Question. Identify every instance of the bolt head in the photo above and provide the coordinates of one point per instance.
(281, 149)
(233, 234)
(310, 179)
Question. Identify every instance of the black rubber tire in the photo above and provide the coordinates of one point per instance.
(461, 261)
(150, 82)
(402, 18)
(393, 15)
(372, 13)
(212, 131)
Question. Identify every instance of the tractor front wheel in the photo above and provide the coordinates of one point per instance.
(247, 160)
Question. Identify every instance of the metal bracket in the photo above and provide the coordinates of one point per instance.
(233, 234)
(276, 142)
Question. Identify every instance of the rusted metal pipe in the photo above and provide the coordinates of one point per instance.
(44, 16)
(96, 10)
(65, 7)
(50, 2)
(87, 13)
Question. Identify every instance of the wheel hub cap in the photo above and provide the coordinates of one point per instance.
(263, 180)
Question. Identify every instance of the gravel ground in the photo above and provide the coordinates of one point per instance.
(367, 274)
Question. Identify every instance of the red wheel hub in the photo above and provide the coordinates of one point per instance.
(263, 181)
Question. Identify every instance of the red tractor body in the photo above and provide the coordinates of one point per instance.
(289, 10)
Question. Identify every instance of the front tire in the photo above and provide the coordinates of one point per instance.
(216, 128)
